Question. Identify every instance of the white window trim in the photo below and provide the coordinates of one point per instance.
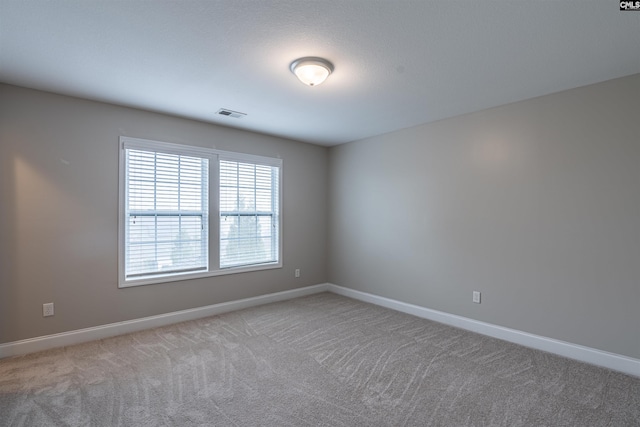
(214, 157)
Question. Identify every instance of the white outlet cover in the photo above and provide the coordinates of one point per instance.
(47, 309)
(476, 297)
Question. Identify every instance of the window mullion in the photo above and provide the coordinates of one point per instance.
(256, 238)
(155, 204)
(213, 197)
(179, 201)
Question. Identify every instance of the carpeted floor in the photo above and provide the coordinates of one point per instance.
(322, 360)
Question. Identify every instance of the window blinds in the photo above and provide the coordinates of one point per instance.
(249, 213)
(166, 213)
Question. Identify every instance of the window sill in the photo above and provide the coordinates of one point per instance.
(153, 280)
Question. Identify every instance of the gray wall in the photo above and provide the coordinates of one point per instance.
(59, 214)
(535, 204)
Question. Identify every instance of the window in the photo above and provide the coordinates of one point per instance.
(248, 214)
(189, 212)
(166, 213)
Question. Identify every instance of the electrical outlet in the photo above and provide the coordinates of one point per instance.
(476, 297)
(47, 309)
(297, 272)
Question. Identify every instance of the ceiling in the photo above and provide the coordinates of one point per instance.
(397, 63)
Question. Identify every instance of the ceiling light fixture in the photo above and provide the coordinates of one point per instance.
(311, 70)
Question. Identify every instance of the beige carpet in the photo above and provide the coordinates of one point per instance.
(322, 360)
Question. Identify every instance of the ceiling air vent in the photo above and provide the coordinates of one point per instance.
(231, 113)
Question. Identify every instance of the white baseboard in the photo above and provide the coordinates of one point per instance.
(593, 356)
(605, 359)
(32, 345)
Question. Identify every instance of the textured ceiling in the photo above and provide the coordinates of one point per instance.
(397, 63)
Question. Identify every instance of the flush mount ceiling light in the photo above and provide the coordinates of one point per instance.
(311, 70)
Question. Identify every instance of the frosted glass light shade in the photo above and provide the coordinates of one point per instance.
(311, 71)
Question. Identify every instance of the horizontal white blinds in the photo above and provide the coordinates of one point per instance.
(166, 214)
(249, 213)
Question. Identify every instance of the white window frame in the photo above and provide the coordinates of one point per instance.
(213, 223)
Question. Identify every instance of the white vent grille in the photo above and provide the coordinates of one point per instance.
(231, 113)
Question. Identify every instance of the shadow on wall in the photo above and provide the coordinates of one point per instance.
(38, 228)
(8, 240)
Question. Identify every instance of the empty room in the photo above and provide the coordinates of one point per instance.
(319, 213)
